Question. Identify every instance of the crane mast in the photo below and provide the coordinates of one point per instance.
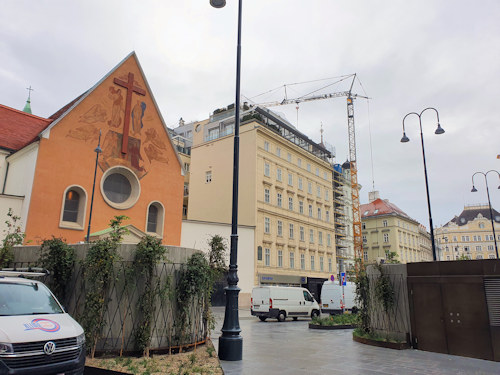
(357, 234)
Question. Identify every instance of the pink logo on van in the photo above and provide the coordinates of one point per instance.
(45, 325)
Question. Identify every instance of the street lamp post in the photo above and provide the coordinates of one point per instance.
(97, 151)
(231, 342)
(405, 139)
(489, 202)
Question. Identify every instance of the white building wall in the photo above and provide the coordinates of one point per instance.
(196, 234)
(20, 176)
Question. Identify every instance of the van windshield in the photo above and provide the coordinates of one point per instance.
(27, 299)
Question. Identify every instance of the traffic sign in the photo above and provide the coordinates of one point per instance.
(342, 277)
(332, 278)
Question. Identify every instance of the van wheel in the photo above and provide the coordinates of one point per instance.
(262, 318)
(295, 318)
(281, 316)
(354, 310)
(314, 314)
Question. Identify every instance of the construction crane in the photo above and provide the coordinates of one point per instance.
(357, 235)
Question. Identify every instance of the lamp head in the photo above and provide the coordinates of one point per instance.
(405, 138)
(439, 129)
(218, 3)
(473, 189)
(98, 149)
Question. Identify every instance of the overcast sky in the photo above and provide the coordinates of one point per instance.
(407, 55)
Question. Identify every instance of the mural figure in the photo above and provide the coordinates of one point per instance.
(154, 153)
(116, 96)
(95, 114)
(84, 133)
(153, 137)
(137, 115)
(112, 155)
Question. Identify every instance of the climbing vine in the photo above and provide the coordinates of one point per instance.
(98, 273)
(59, 258)
(363, 297)
(149, 253)
(13, 236)
(194, 284)
(384, 291)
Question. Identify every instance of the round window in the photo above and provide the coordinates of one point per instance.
(120, 187)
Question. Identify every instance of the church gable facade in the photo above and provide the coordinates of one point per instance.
(138, 171)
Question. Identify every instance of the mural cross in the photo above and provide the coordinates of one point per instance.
(129, 85)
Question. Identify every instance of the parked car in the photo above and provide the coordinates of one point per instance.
(331, 297)
(36, 335)
(282, 302)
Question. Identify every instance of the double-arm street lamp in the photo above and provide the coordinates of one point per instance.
(405, 139)
(230, 342)
(489, 202)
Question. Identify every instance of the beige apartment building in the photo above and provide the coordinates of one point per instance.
(386, 228)
(285, 195)
(469, 235)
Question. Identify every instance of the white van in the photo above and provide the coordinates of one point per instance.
(281, 302)
(331, 297)
(36, 335)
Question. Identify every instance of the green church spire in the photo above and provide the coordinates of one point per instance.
(27, 107)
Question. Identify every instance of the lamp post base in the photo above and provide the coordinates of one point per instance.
(231, 348)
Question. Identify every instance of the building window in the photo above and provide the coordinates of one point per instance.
(466, 249)
(318, 191)
(73, 208)
(325, 175)
(280, 258)
(479, 256)
(289, 157)
(327, 195)
(292, 260)
(308, 167)
(386, 237)
(300, 183)
(299, 162)
(364, 238)
(186, 167)
(184, 210)
(481, 225)
(291, 231)
(279, 199)
(319, 213)
(320, 238)
(290, 179)
(491, 248)
(155, 218)
(321, 264)
(479, 248)
(365, 256)
(266, 145)
(310, 210)
(267, 225)
(267, 197)
(290, 203)
(301, 207)
(278, 174)
(120, 187)
(267, 259)
(363, 225)
(312, 262)
(311, 235)
(330, 265)
(327, 216)
(384, 223)
(280, 228)
(328, 239)
(492, 256)
(317, 172)
(278, 151)
(302, 236)
(259, 253)
(302, 261)
(208, 177)
(309, 187)
(267, 170)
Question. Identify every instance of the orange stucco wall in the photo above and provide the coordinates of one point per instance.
(67, 158)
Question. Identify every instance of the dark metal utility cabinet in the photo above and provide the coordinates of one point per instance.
(455, 307)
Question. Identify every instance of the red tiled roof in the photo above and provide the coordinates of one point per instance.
(381, 207)
(18, 129)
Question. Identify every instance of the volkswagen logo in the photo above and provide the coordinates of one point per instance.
(49, 347)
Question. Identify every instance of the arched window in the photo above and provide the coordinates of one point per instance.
(73, 208)
(120, 187)
(154, 219)
(71, 203)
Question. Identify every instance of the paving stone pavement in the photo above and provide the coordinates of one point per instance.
(292, 348)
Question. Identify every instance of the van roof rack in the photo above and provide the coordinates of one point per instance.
(24, 272)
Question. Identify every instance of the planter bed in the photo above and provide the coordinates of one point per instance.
(382, 344)
(339, 326)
